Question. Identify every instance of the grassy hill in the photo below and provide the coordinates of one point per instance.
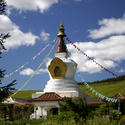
(108, 87)
(105, 88)
(27, 94)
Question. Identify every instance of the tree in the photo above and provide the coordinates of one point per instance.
(4, 90)
(75, 107)
(2, 6)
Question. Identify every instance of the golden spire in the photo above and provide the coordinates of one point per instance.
(61, 31)
(61, 45)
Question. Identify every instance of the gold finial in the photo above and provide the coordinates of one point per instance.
(61, 31)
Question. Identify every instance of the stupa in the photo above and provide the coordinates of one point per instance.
(61, 71)
(61, 84)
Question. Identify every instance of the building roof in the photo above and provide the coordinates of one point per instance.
(94, 101)
(119, 96)
(49, 96)
(17, 101)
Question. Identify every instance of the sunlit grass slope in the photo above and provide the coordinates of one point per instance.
(106, 88)
(27, 94)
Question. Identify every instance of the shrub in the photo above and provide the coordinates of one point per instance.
(116, 114)
(122, 120)
(100, 121)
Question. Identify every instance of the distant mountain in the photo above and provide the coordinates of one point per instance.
(120, 78)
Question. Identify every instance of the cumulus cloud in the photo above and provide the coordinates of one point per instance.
(108, 27)
(18, 38)
(29, 71)
(108, 52)
(31, 5)
(44, 36)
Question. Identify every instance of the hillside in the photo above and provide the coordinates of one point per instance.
(27, 94)
(108, 87)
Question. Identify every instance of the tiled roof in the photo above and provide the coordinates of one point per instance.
(119, 96)
(50, 96)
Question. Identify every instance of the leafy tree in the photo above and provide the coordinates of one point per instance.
(4, 90)
(74, 107)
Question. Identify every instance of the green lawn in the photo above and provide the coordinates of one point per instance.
(106, 88)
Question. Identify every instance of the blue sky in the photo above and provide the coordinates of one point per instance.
(96, 26)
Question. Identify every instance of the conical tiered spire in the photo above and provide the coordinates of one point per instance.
(61, 45)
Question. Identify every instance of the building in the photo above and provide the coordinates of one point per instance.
(61, 84)
(17, 101)
(47, 103)
(61, 70)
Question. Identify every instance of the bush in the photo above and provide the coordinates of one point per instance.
(122, 120)
(101, 111)
(100, 121)
(116, 114)
(73, 109)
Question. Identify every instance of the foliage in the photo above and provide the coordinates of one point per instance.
(54, 121)
(73, 108)
(4, 90)
(14, 112)
(122, 120)
(100, 121)
(76, 105)
(103, 110)
(2, 6)
(116, 114)
(106, 110)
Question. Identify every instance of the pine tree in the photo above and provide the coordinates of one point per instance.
(4, 90)
(2, 6)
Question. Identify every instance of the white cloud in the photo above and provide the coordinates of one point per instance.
(108, 52)
(34, 5)
(108, 27)
(8, 11)
(18, 38)
(42, 71)
(44, 36)
(122, 70)
(29, 71)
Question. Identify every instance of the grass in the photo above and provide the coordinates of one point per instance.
(27, 94)
(106, 88)
(95, 121)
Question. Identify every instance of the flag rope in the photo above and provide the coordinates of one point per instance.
(95, 92)
(113, 74)
(32, 59)
(35, 70)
